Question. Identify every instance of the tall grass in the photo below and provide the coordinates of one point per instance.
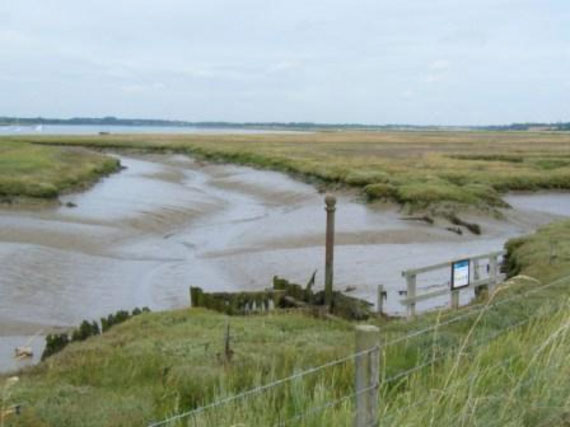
(161, 364)
(520, 379)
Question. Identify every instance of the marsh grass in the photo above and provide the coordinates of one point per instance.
(34, 171)
(416, 169)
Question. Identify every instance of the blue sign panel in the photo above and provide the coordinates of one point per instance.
(460, 274)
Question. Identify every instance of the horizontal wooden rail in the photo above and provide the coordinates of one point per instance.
(440, 292)
(476, 283)
(416, 271)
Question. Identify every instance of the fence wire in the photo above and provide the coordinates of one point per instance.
(315, 410)
(473, 311)
(454, 387)
(406, 373)
(443, 357)
(265, 387)
(262, 388)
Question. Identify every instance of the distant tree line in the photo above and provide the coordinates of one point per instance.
(114, 121)
(57, 342)
(529, 126)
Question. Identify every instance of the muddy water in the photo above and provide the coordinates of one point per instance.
(143, 236)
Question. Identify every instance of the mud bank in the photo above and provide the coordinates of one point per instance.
(143, 236)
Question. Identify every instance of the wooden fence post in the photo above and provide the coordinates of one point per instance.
(493, 272)
(476, 274)
(411, 288)
(381, 295)
(228, 352)
(195, 296)
(455, 299)
(476, 277)
(367, 376)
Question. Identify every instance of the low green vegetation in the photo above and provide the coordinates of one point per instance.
(57, 342)
(492, 365)
(417, 169)
(44, 172)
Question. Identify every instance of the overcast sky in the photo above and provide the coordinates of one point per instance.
(368, 61)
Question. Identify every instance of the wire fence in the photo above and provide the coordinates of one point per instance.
(321, 408)
(473, 310)
(501, 363)
(405, 374)
(432, 361)
(448, 389)
(262, 388)
(479, 309)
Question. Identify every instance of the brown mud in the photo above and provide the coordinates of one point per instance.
(141, 237)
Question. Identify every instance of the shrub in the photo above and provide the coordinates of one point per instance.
(54, 344)
(57, 342)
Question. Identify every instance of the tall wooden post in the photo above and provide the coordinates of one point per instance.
(411, 288)
(381, 295)
(330, 208)
(367, 376)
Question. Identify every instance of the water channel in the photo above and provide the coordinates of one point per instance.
(141, 237)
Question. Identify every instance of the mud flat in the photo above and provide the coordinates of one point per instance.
(143, 236)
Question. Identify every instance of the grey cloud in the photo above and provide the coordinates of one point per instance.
(409, 61)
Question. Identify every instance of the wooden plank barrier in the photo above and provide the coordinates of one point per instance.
(475, 281)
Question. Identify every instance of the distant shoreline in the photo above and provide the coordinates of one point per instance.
(303, 126)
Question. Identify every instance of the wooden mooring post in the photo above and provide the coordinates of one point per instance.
(330, 208)
(381, 296)
(367, 376)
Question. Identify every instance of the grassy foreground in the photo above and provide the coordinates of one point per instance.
(412, 168)
(34, 171)
(489, 369)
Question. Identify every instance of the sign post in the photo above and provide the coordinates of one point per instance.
(460, 278)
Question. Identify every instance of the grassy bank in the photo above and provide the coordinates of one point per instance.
(418, 169)
(488, 367)
(43, 172)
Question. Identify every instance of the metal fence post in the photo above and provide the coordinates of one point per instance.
(411, 288)
(367, 377)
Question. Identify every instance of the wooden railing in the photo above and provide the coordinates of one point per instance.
(475, 282)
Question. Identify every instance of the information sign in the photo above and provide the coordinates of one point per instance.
(460, 274)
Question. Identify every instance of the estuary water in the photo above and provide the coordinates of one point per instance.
(143, 236)
(96, 129)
